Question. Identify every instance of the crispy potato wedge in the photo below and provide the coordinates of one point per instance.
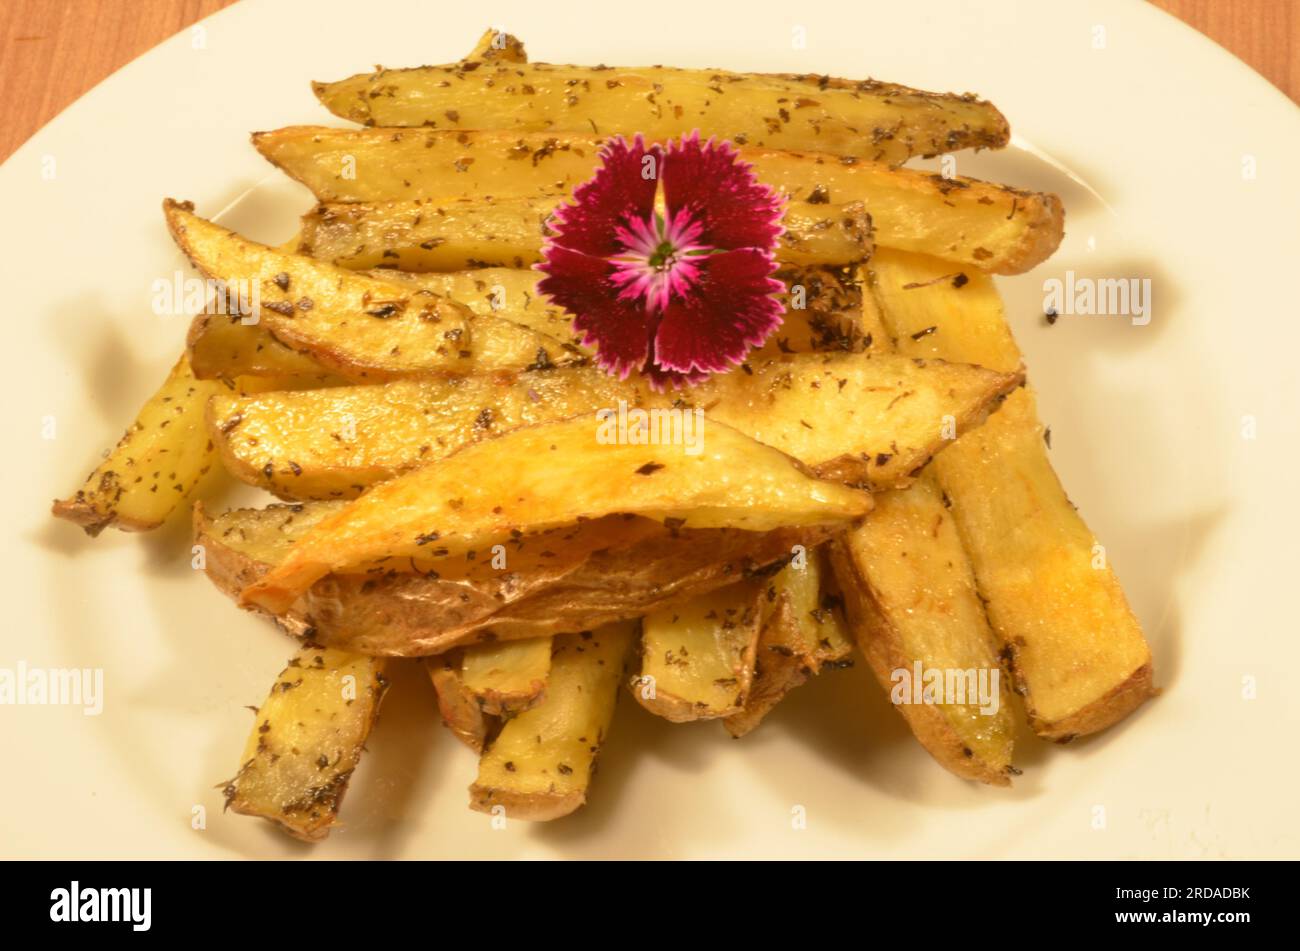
(599, 572)
(457, 705)
(480, 496)
(803, 630)
(307, 739)
(990, 227)
(540, 765)
(697, 658)
(868, 119)
(159, 459)
(859, 418)
(356, 326)
(1077, 653)
(912, 602)
(429, 235)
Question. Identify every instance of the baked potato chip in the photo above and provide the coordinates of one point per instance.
(868, 119)
(1068, 636)
(914, 609)
(598, 572)
(989, 227)
(426, 234)
(357, 326)
(307, 739)
(703, 474)
(860, 418)
(540, 765)
(697, 658)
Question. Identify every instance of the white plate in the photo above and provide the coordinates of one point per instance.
(1159, 129)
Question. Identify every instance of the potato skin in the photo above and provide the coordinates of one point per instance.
(412, 615)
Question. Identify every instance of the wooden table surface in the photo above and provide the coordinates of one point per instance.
(52, 51)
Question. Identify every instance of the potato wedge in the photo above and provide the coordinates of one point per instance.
(989, 227)
(307, 739)
(354, 325)
(157, 462)
(540, 766)
(859, 418)
(697, 658)
(510, 677)
(220, 348)
(425, 234)
(457, 705)
(602, 571)
(803, 630)
(480, 496)
(868, 119)
(1075, 649)
(480, 684)
(912, 604)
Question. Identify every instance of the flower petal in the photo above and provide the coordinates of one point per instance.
(618, 330)
(730, 310)
(605, 202)
(721, 192)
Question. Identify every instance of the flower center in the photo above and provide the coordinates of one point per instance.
(656, 261)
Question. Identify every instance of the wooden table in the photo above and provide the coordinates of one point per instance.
(52, 51)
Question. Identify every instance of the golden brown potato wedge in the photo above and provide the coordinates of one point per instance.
(159, 459)
(697, 658)
(993, 228)
(1075, 649)
(913, 607)
(426, 234)
(705, 475)
(540, 765)
(599, 572)
(859, 418)
(307, 739)
(868, 119)
(356, 326)
(221, 348)
(879, 418)
(803, 630)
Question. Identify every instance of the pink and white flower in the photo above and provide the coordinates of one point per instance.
(676, 281)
